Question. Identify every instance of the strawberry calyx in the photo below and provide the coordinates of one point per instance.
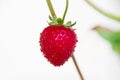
(54, 20)
(60, 21)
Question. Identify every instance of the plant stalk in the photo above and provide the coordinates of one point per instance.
(77, 67)
(51, 8)
(65, 12)
(114, 17)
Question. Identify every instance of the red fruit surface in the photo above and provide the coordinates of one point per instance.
(57, 44)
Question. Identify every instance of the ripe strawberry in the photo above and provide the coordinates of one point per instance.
(58, 40)
(57, 43)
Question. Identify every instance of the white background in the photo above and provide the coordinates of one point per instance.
(21, 22)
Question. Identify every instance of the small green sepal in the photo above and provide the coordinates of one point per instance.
(59, 21)
(70, 24)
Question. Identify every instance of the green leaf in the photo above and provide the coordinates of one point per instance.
(113, 37)
(116, 41)
(104, 32)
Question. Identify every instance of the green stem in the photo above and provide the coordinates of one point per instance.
(65, 12)
(51, 8)
(77, 67)
(114, 17)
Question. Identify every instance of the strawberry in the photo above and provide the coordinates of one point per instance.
(58, 40)
(57, 43)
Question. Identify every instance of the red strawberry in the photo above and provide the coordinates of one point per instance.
(57, 43)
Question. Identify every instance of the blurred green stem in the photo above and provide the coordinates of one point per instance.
(114, 17)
